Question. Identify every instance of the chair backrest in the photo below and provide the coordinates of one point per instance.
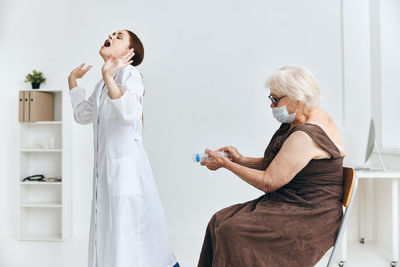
(350, 184)
(349, 180)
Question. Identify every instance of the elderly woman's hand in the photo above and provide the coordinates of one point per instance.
(234, 154)
(214, 160)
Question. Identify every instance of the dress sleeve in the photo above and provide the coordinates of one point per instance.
(83, 109)
(129, 105)
(320, 137)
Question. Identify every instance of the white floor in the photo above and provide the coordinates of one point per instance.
(361, 255)
(73, 253)
(70, 253)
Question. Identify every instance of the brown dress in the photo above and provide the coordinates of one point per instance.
(292, 226)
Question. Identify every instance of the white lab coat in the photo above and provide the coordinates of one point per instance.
(127, 226)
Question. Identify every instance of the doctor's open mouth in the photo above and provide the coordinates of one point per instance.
(107, 43)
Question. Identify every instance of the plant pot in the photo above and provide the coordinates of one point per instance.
(35, 85)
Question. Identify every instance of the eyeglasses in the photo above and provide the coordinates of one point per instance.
(275, 100)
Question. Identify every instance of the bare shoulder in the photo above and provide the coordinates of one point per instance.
(298, 138)
(300, 142)
(325, 121)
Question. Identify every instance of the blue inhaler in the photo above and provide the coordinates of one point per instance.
(198, 157)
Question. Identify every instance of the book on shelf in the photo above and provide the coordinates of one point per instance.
(36, 106)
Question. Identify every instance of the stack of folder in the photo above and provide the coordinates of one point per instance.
(36, 106)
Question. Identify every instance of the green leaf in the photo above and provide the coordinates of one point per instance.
(35, 77)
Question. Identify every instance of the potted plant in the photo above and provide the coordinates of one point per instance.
(36, 78)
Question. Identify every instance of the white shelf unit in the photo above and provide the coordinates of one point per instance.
(44, 208)
(40, 150)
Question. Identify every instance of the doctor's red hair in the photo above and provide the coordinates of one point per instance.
(138, 48)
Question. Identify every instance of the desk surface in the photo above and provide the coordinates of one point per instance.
(388, 174)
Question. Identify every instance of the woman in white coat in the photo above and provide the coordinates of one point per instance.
(127, 226)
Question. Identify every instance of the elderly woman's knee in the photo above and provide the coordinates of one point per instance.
(223, 217)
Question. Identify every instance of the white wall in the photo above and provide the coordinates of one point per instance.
(357, 78)
(386, 93)
(204, 70)
(390, 69)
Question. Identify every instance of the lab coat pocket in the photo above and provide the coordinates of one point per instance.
(120, 139)
(125, 176)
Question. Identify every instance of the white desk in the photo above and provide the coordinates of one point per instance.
(394, 177)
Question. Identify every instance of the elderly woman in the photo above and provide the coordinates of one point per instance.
(297, 219)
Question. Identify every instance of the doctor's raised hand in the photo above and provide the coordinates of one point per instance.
(77, 73)
(113, 64)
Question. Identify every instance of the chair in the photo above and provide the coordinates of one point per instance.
(350, 181)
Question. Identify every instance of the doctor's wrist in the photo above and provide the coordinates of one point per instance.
(107, 76)
(72, 82)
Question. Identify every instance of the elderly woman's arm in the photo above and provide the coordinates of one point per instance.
(294, 155)
(235, 156)
(253, 163)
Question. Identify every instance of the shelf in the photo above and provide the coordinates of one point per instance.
(41, 122)
(39, 222)
(40, 183)
(44, 147)
(33, 195)
(43, 90)
(40, 150)
(48, 163)
(41, 205)
(40, 237)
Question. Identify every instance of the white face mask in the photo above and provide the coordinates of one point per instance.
(282, 115)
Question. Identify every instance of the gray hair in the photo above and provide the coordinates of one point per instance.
(297, 83)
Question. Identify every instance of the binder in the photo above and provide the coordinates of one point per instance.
(26, 106)
(21, 106)
(36, 106)
(41, 107)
